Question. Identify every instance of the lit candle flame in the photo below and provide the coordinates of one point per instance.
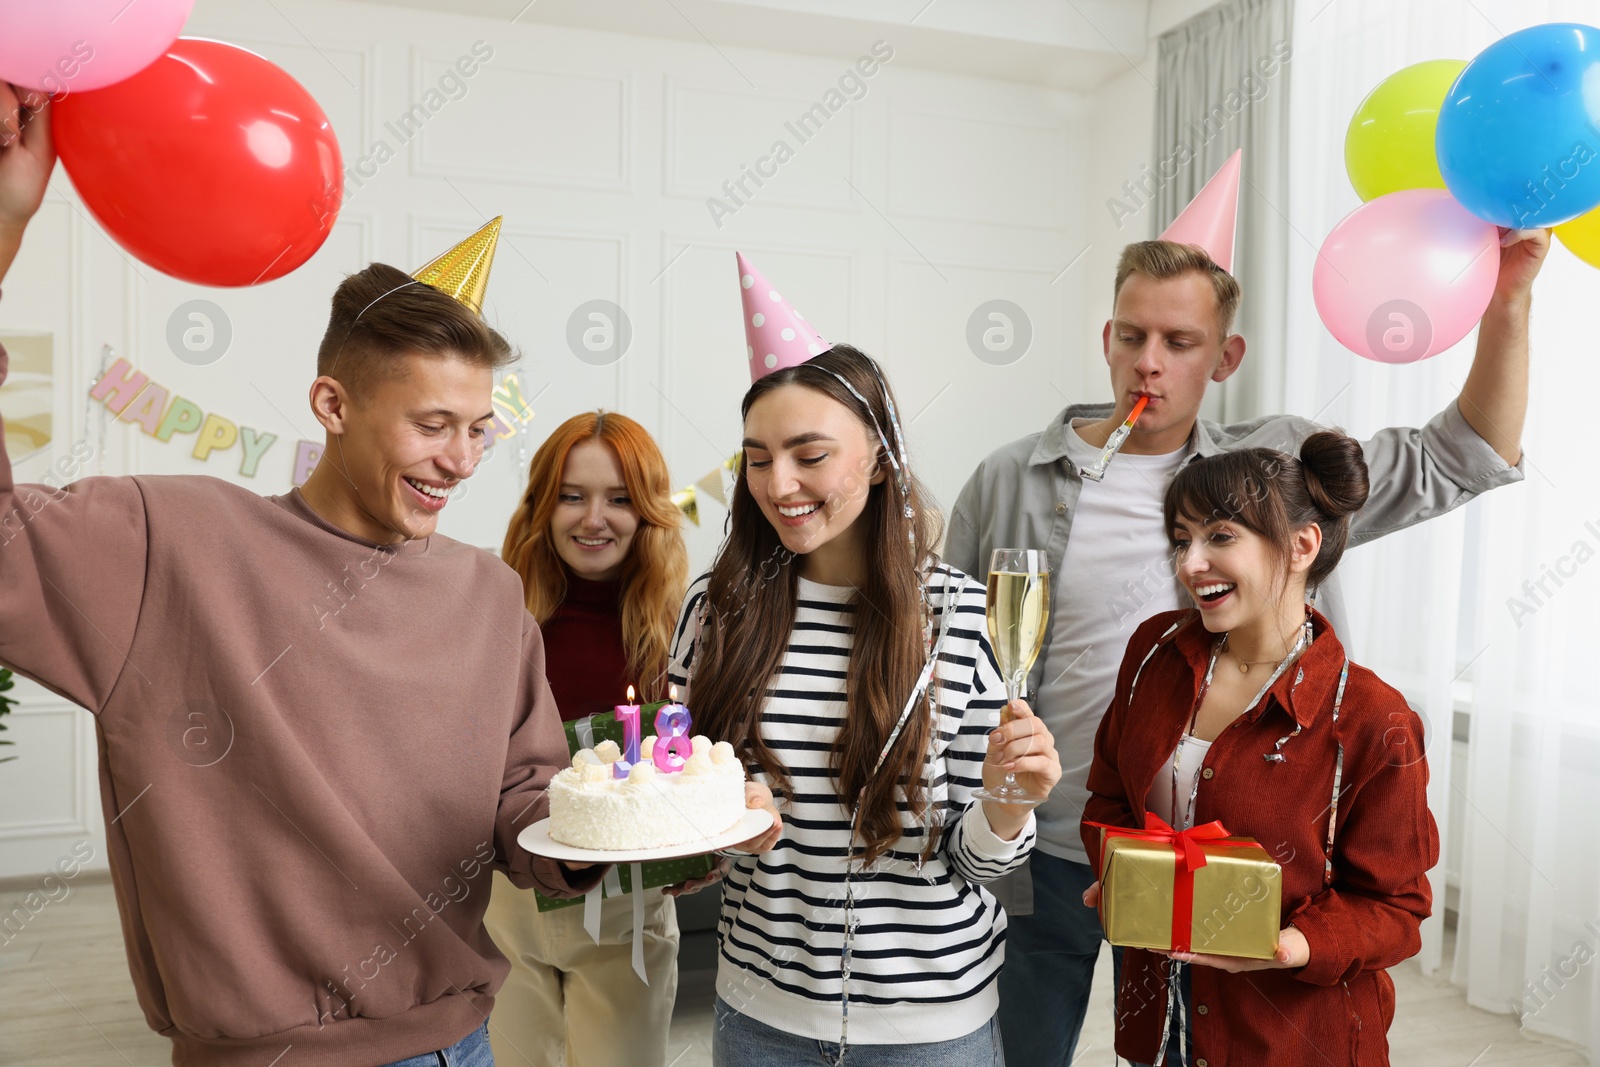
(630, 694)
(672, 693)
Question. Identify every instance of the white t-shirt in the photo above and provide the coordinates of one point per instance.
(1116, 573)
(1190, 755)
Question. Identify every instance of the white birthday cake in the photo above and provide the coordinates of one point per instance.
(590, 807)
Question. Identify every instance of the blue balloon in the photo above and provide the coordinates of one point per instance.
(1519, 136)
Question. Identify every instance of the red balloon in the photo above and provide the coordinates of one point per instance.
(211, 165)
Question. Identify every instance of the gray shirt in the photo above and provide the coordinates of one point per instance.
(1025, 495)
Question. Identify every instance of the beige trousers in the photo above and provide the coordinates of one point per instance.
(570, 1002)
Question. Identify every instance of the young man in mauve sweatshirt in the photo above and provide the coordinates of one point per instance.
(307, 888)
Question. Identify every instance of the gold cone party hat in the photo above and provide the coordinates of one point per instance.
(463, 271)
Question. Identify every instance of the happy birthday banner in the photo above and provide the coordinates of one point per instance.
(132, 397)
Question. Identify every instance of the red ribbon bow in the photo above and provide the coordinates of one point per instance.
(1189, 857)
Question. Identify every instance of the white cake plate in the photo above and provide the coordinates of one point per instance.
(537, 839)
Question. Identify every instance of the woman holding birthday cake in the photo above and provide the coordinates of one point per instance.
(597, 542)
(1246, 711)
(849, 670)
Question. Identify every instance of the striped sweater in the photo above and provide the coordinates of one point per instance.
(928, 944)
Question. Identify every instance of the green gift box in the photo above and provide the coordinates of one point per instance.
(589, 732)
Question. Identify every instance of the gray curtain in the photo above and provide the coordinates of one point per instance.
(1223, 84)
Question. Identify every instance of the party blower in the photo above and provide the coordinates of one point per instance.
(1114, 443)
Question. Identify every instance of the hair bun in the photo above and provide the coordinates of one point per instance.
(1335, 471)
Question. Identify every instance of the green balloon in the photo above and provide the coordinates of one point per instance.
(1389, 145)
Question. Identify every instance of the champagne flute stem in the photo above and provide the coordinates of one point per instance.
(1013, 691)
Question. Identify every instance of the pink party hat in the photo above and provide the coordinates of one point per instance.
(775, 334)
(1209, 219)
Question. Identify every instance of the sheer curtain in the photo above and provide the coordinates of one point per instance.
(1442, 610)
(1223, 85)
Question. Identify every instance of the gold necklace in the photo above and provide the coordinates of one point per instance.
(1245, 665)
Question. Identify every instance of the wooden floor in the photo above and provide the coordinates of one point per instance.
(66, 1001)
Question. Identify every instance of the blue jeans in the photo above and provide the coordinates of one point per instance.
(1050, 957)
(470, 1051)
(740, 1041)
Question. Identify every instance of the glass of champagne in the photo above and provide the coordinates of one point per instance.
(1018, 608)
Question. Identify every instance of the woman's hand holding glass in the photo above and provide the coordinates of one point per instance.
(1023, 748)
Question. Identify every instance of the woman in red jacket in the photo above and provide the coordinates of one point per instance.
(1246, 709)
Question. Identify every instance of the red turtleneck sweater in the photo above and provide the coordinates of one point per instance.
(584, 657)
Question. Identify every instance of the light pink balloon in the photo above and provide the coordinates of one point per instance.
(65, 46)
(1406, 275)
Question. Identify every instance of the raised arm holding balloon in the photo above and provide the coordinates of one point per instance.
(1494, 398)
(27, 155)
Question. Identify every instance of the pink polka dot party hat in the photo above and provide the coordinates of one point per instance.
(775, 334)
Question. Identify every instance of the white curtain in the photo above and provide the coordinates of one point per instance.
(1435, 610)
(1223, 85)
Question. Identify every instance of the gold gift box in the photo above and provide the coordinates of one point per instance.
(1237, 896)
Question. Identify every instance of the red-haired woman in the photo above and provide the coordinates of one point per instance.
(597, 542)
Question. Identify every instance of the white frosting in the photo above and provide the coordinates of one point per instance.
(722, 752)
(699, 763)
(647, 809)
(608, 752)
(700, 743)
(584, 755)
(647, 747)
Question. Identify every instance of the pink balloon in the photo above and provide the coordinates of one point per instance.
(1406, 275)
(64, 46)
